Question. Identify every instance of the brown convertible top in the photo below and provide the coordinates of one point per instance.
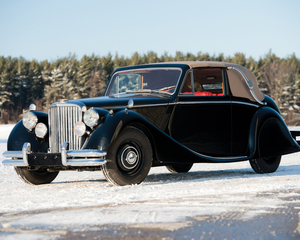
(238, 86)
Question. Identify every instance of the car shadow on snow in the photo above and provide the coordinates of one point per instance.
(80, 181)
(168, 177)
(219, 174)
(198, 176)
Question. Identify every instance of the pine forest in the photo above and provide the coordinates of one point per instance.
(24, 82)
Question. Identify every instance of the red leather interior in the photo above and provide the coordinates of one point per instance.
(205, 94)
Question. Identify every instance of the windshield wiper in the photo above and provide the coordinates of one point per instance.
(159, 91)
(166, 88)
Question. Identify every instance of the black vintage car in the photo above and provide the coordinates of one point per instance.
(167, 114)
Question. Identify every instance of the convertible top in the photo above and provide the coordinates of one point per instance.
(238, 86)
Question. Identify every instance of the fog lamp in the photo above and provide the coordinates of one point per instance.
(91, 118)
(29, 120)
(79, 129)
(41, 130)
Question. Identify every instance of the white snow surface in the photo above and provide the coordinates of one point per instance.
(76, 200)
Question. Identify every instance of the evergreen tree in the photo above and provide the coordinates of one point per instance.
(239, 58)
(119, 61)
(179, 56)
(135, 59)
(7, 73)
(60, 82)
(166, 58)
(203, 57)
(23, 82)
(220, 58)
(107, 66)
(151, 57)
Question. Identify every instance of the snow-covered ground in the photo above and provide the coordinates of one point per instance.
(81, 200)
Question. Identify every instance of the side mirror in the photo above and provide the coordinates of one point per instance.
(130, 103)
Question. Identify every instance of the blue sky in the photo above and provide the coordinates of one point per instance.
(47, 30)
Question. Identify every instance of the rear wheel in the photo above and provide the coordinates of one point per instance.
(35, 177)
(180, 168)
(265, 164)
(129, 158)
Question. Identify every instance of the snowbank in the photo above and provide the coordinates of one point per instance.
(5, 131)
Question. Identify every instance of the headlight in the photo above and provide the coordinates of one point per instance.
(29, 120)
(41, 130)
(91, 118)
(79, 129)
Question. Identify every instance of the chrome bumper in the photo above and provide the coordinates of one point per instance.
(77, 158)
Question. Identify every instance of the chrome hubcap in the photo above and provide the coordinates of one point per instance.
(129, 157)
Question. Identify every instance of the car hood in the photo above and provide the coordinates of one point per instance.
(117, 101)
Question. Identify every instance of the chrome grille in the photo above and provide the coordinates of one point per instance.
(62, 118)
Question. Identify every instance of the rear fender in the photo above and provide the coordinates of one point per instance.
(269, 135)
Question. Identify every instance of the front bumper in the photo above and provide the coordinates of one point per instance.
(76, 158)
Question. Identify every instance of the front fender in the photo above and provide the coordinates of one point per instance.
(269, 135)
(19, 135)
(111, 126)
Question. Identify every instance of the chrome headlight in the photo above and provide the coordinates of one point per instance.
(79, 129)
(91, 118)
(41, 130)
(29, 120)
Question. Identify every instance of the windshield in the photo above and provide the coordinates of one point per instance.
(162, 80)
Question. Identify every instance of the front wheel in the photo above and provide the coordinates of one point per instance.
(265, 164)
(35, 177)
(129, 158)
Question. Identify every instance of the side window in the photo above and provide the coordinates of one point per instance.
(187, 86)
(208, 82)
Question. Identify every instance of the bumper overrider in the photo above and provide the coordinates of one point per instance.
(76, 158)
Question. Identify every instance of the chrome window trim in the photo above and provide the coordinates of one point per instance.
(183, 82)
(151, 105)
(138, 106)
(202, 102)
(224, 82)
(216, 102)
(185, 102)
(245, 103)
(140, 69)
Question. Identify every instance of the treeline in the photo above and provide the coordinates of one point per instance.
(24, 82)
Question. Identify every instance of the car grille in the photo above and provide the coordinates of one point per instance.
(62, 118)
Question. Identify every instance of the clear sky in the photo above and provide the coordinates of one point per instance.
(50, 29)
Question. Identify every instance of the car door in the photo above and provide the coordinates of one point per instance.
(242, 114)
(201, 119)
